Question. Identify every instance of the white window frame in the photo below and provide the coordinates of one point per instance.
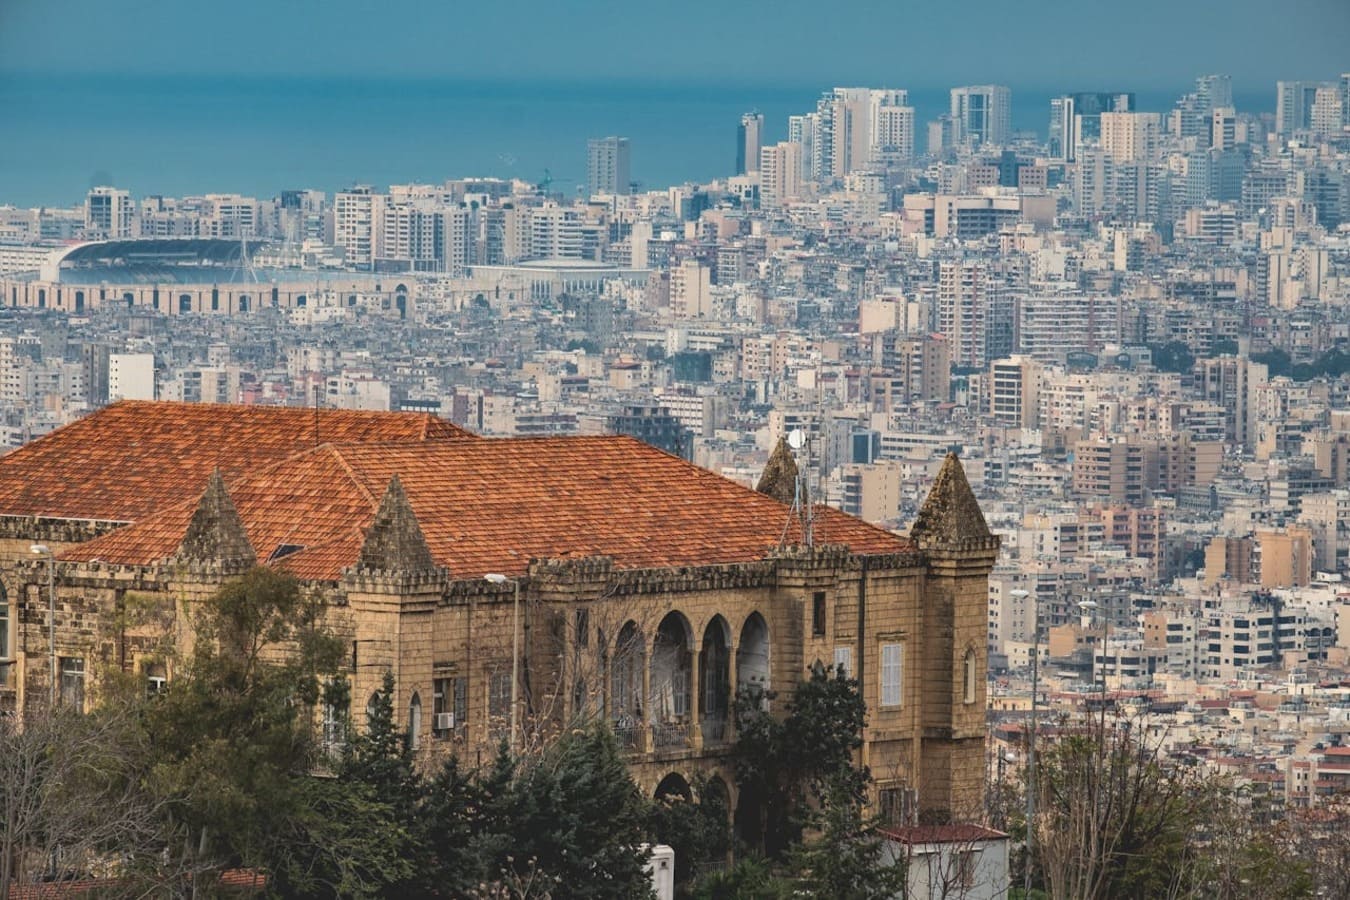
(892, 676)
(843, 659)
(6, 624)
(970, 672)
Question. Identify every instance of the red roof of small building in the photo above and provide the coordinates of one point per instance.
(493, 505)
(133, 457)
(942, 834)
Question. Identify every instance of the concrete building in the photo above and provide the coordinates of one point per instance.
(1014, 391)
(609, 166)
(691, 290)
(780, 180)
(749, 141)
(1293, 105)
(1121, 470)
(109, 214)
(1231, 382)
(967, 303)
(981, 114)
(358, 225)
(1130, 137)
(131, 376)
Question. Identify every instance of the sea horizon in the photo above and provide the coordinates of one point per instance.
(258, 136)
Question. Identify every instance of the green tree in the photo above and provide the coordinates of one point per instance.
(783, 765)
(235, 748)
(1115, 817)
(1277, 361)
(803, 773)
(699, 831)
(457, 833)
(1173, 356)
(844, 859)
(378, 764)
(578, 816)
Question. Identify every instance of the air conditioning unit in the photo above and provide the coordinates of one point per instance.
(445, 721)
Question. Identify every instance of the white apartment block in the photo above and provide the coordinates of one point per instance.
(131, 376)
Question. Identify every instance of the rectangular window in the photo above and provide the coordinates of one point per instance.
(4, 625)
(450, 706)
(72, 682)
(442, 716)
(818, 614)
(892, 663)
(156, 679)
(897, 806)
(583, 624)
(499, 697)
(843, 660)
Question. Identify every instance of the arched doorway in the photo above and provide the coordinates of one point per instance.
(748, 822)
(714, 679)
(752, 655)
(674, 787)
(625, 684)
(669, 709)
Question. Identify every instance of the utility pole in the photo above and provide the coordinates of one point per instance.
(44, 550)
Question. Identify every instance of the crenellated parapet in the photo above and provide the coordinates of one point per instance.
(44, 530)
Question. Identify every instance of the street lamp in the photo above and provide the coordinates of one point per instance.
(498, 578)
(44, 550)
(1020, 594)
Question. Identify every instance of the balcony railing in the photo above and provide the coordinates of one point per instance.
(628, 732)
(674, 733)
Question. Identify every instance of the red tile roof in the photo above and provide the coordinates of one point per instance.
(493, 505)
(941, 834)
(134, 457)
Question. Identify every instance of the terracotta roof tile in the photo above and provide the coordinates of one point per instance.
(493, 505)
(134, 457)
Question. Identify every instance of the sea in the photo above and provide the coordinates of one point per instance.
(179, 136)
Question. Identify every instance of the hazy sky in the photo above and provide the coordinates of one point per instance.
(1073, 44)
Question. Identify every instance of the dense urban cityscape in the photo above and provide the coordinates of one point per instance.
(1132, 328)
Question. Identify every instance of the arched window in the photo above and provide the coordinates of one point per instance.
(4, 622)
(414, 721)
(969, 675)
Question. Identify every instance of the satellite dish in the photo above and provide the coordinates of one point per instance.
(796, 439)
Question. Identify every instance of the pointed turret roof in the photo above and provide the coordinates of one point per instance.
(779, 479)
(215, 533)
(394, 542)
(950, 516)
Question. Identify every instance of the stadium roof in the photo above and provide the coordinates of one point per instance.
(154, 259)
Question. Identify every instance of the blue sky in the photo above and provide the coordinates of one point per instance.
(1077, 44)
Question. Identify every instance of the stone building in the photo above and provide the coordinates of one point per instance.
(625, 583)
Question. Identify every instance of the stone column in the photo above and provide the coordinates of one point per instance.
(729, 732)
(695, 701)
(644, 720)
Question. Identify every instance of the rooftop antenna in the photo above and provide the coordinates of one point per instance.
(316, 415)
(801, 494)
